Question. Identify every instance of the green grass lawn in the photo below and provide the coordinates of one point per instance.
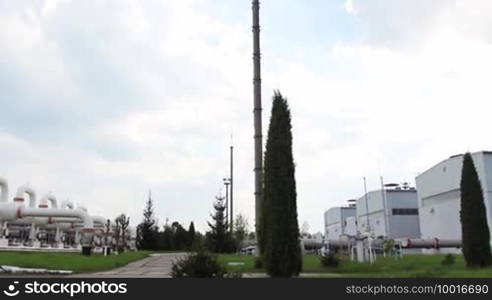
(408, 266)
(76, 262)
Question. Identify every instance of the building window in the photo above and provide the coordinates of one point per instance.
(405, 211)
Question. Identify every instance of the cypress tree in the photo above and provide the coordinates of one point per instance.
(279, 227)
(191, 234)
(474, 227)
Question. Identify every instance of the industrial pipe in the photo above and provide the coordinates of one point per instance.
(87, 231)
(48, 198)
(67, 205)
(434, 243)
(4, 189)
(23, 211)
(25, 189)
(64, 218)
(43, 220)
(58, 221)
(98, 220)
(4, 186)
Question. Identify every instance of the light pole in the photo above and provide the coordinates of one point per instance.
(232, 188)
(368, 229)
(227, 182)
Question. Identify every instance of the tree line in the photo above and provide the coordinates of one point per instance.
(175, 237)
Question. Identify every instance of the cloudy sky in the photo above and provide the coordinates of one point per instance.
(101, 101)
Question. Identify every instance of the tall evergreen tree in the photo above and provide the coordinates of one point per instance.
(167, 238)
(219, 239)
(279, 228)
(474, 227)
(191, 234)
(147, 231)
(180, 238)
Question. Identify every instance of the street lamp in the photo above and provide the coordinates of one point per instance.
(227, 182)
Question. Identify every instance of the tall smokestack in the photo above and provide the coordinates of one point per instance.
(257, 112)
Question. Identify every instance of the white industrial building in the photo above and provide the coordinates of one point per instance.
(340, 221)
(390, 212)
(439, 195)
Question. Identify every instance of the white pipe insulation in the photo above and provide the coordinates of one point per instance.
(58, 221)
(25, 189)
(4, 189)
(63, 217)
(48, 198)
(99, 220)
(434, 243)
(67, 205)
(23, 211)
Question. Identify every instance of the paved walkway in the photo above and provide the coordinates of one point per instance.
(156, 266)
(159, 266)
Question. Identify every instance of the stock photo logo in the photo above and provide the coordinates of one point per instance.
(12, 290)
(70, 289)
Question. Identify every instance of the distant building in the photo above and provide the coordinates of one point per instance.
(336, 221)
(351, 226)
(392, 212)
(439, 195)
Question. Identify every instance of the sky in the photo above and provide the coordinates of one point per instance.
(102, 101)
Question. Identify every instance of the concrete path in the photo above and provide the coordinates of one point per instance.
(156, 266)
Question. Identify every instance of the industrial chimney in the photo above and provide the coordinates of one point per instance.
(258, 137)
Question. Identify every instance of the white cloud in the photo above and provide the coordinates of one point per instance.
(155, 88)
(349, 7)
(416, 92)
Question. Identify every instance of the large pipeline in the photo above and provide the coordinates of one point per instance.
(405, 243)
(434, 243)
(29, 223)
(4, 190)
(18, 213)
(25, 189)
(23, 211)
(67, 205)
(48, 198)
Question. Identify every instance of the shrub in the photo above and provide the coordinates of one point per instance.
(448, 260)
(330, 260)
(198, 265)
(388, 246)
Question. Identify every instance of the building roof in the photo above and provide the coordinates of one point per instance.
(484, 152)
